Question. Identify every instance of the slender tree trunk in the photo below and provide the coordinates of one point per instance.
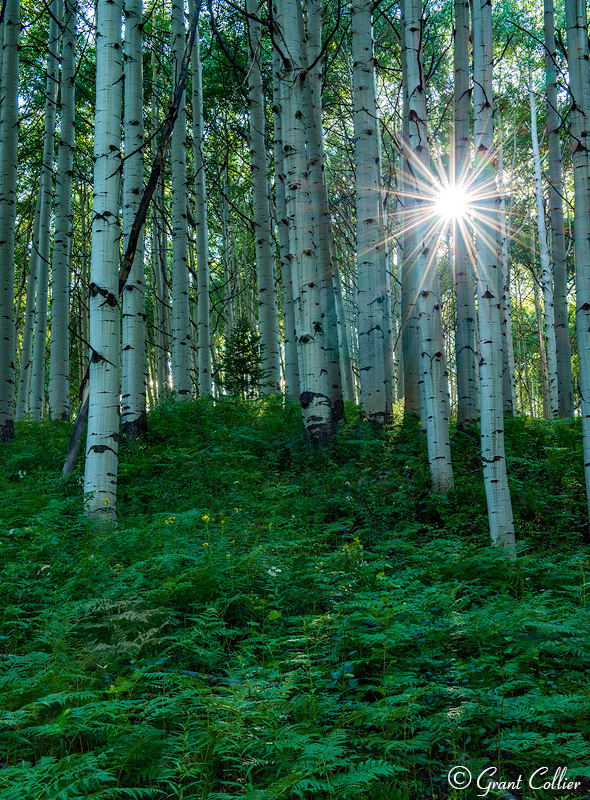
(432, 357)
(508, 374)
(370, 236)
(268, 315)
(558, 248)
(201, 229)
(133, 354)
(59, 358)
(577, 47)
(466, 364)
(313, 378)
(181, 330)
(489, 290)
(102, 442)
(8, 146)
(26, 358)
(323, 241)
(290, 343)
(41, 246)
(546, 276)
(409, 278)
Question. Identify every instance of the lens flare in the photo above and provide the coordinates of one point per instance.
(452, 202)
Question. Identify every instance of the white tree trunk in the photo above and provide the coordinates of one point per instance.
(26, 358)
(467, 377)
(558, 246)
(323, 239)
(290, 342)
(508, 372)
(546, 272)
(59, 359)
(370, 236)
(313, 378)
(268, 315)
(201, 229)
(489, 289)
(41, 246)
(181, 326)
(133, 353)
(577, 46)
(8, 146)
(102, 443)
(409, 279)
(433, 368)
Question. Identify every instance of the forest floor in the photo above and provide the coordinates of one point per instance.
(267, 622)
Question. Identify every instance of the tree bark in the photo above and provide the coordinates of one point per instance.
(565, 390)
(59, 358)
(433, 366)
(577, 47)
(370, 233)
(466, 364)
(102, 443)
(8, 147)
(489, 290)
(133, 353)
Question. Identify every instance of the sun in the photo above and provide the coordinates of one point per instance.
(452, 202)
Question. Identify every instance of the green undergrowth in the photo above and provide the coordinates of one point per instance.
(271, 623)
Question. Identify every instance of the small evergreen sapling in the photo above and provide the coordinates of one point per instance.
(243, 374)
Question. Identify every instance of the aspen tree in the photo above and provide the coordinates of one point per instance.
(181, 333)
(323, 239)
(546, 272)
(268, 315)
(59, 359)
(26, 355)
(409, 278)
(558, 246)
(313, 378)
(467, 376)
(201, 229)
(41, 248)
(8, 146)
(433, 367)
(577, 47)
(370, 233)
(289, 339)
(102, 443)
(489, 289)
(133, 353)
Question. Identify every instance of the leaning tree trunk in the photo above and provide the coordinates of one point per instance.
(59, 358)
(489, 287)
(102, 442)
(370, 234)
(546, 276)
(133, 353)
(201, 229)
(181, 326)
(314, 394)
(268, 315)
(558, 246)
(433, 366)
(8, 147)
(577, 46)
(466, 363)
(41, 246)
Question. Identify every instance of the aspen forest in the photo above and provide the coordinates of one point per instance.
(294, 399)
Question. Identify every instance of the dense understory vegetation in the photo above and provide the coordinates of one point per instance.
(267, 622)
